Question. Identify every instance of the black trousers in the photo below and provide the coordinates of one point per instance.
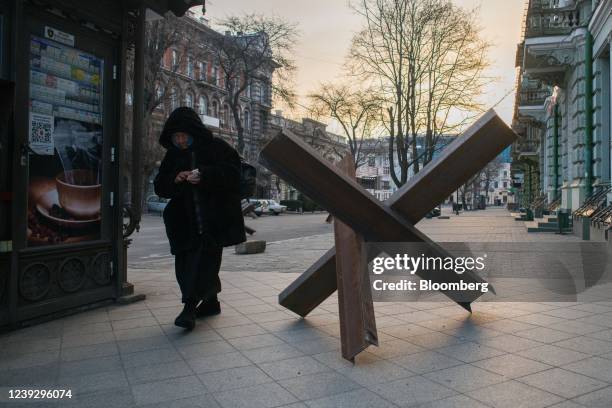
(197, 272)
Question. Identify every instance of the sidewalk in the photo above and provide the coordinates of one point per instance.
(257, 354)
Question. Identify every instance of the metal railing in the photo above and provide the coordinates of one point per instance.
(544, 19)
(602, 217)
(528, 146)
(535, 97)
(540, 202)
(554, 205)
(594, 202)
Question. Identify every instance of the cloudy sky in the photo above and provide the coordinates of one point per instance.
(327, 26)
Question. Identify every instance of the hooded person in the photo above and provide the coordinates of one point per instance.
(200, 174)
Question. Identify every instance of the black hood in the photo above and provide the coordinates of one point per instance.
(186, 120)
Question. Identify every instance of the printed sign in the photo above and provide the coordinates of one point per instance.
(41, 133)
(59, 36)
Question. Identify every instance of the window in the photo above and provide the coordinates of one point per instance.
(215, 75)
(386, 170)
(189, 99)
(128, 98)
(174, 60)
(368, 183)
(505, 184)
(225, 116)
(255, 91)
(247, 120)
(202, 68)
(371, 161)
(189, 66)
(215, 109)
(505, 173)
(496, 184)
(173, 98)
(203, 105)
(159, 95)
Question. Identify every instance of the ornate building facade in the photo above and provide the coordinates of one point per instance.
(194, 78)
(562, 107)
(331, 146)
(191, 75)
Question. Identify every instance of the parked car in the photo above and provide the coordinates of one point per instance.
(275, 208)
(156, 204)
(266, 206)
(436, 212)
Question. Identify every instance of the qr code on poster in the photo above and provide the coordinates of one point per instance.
(41, 133)
(41, 130)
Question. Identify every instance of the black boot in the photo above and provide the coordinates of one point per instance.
(186, 318)
(209, 307)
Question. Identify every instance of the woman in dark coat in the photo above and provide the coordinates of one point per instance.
(200, 174)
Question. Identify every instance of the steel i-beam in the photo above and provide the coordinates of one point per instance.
(468, 154)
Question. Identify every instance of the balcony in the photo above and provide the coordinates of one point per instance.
(532, 97)
(528, 150)
(552, 30)
(551, 17)
(531, 102)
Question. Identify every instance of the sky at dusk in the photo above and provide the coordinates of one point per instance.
(327, 26)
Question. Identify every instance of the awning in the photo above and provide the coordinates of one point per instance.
(177, 7)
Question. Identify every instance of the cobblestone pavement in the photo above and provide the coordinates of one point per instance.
(257, 354)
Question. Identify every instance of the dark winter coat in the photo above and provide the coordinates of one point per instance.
(218, 191)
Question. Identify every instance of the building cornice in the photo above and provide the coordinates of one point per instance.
(600, 17)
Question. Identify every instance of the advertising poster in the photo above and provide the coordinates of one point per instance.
(65, 166)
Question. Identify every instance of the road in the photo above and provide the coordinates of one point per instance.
(151, 243)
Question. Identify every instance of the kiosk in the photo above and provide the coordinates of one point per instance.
(62, 87)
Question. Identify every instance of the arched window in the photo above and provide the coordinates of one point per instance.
(189, 99)
(203, 105)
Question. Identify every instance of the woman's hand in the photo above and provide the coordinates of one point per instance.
(182, 176)
(194, 177)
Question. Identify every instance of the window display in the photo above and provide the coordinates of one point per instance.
(65, 137)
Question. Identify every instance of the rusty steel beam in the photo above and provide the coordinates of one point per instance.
(353, 205)
(470, 152)
(355, 307)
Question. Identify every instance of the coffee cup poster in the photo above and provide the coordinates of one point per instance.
(65, 138)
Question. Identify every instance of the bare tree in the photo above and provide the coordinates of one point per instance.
(479, 183)
(426, 59)
(252, 48)
(489, 174)
(357, 112)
